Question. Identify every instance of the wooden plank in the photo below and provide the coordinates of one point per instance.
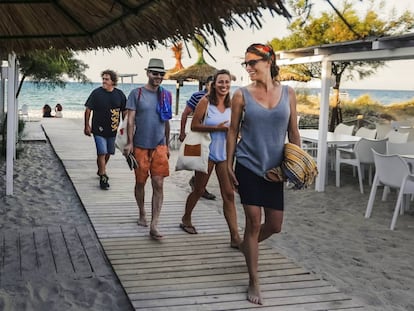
(45, 258)
(2, 255)
(217, 297)
(128, 281)
(11, 262)
(239, 302)
(238, 287)
(94, 251)
(199, 284)
(29, 260)
(76, 251)
(61, 255)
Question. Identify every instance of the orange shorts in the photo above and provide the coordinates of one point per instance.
(154, 161)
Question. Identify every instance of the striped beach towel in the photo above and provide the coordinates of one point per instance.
(297, 167)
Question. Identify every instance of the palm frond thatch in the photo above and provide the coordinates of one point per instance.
(177, 49)
(90, 24)
(199, 72)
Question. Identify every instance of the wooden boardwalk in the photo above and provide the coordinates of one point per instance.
(181, 272)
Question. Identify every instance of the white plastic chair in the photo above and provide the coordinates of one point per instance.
(359, 156)
(396, 125)
(24, 112)
(409, 130)
(391, 171)
(175, 124)
(366, 133)
(344, 129)
(397, 137)
(400, 148)
(382, 129)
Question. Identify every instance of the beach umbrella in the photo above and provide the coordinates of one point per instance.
(199, 71)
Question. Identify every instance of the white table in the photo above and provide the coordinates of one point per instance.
(312, 135)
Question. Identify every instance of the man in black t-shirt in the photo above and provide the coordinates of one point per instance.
(107, 103)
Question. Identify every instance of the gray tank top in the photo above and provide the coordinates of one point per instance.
(263, 133)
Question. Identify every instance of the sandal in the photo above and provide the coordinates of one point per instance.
(188, 228)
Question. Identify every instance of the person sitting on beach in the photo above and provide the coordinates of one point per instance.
(47, 111)
(58, 111)
(189, 109)
(215, 108)
(263, 111)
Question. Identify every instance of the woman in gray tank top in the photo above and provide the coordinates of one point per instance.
(262, 113)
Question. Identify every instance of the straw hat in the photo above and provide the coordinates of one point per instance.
(156, 64)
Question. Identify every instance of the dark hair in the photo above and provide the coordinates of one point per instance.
(267, 53)
(47, 111)
(212, 95)
(59, 107)
(112, 74)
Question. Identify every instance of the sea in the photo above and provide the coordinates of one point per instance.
(73, 96)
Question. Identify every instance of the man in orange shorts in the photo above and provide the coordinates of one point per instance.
(149, 109)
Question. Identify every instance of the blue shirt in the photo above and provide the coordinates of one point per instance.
(149, 129)
(195, 98)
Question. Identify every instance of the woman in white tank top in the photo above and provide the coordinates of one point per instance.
(217, 103)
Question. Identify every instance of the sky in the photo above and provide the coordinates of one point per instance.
(396, 75)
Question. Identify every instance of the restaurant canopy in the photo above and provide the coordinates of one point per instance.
(90, 24)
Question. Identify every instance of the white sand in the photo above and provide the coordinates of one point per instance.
(43, 197)
(323, 232)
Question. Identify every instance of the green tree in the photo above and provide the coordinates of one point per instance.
(345, 24)
(49, 68)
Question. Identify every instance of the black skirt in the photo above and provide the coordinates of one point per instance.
(255, 190)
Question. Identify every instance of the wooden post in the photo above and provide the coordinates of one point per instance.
(177, 96)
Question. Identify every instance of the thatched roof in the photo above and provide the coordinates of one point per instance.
(199, 72)
(91, 24)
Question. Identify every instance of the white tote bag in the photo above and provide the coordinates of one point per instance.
(194, 151)
(121, 135)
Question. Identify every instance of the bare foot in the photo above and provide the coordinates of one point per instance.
(155, 234)
(254, 295)
(241, 247)
(235, 244)
(142, 221)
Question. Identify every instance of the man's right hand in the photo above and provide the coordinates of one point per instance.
(128, 149)
(87, 130)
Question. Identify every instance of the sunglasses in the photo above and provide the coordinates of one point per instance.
(156, 73)
(252, 62)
